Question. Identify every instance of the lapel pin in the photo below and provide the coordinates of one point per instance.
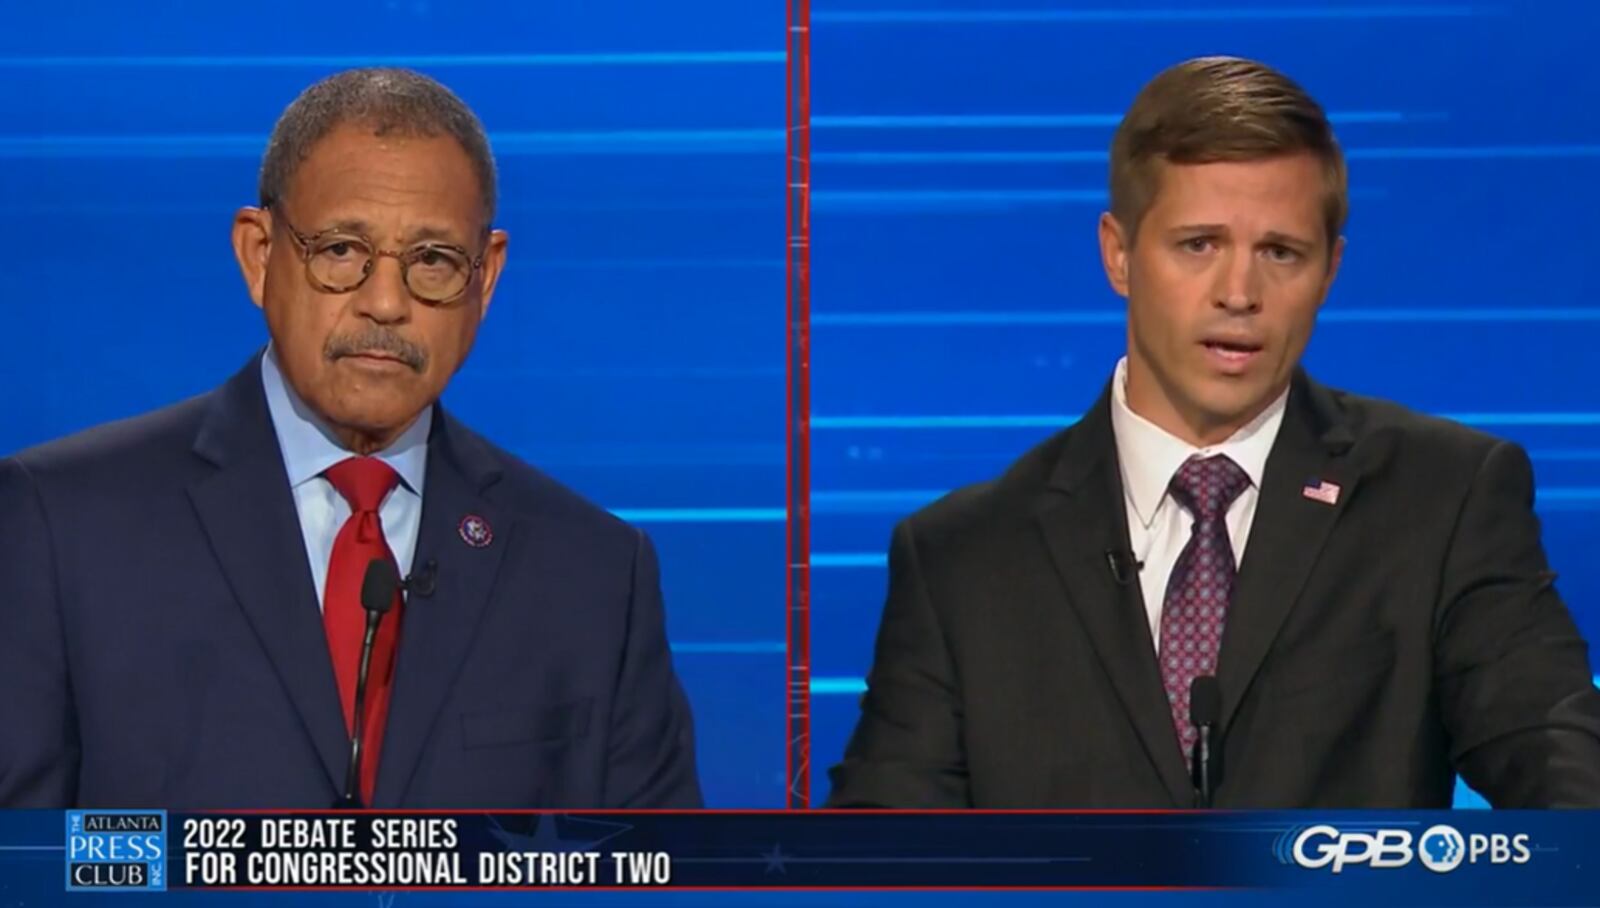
(475, 531)
(1321, 490)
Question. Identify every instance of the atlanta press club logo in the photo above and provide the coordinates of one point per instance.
(112, 850)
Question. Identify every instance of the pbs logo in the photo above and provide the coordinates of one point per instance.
(1442, 849)
(1439, 848)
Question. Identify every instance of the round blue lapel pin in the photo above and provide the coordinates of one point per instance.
(475, 531)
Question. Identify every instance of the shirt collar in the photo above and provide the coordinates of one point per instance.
(309, 447)
(1150, 455)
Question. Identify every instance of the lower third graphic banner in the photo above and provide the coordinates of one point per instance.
(1437, 857)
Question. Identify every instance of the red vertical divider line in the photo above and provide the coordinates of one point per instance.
(804, 131)
(798, 208)
(789, 411)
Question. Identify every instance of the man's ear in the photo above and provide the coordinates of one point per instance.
(1335, 257)
(252, 245)
(1114, 248)
(494, 261)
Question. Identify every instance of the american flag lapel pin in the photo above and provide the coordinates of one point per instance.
(1321, 490)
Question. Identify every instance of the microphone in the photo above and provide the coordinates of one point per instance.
(379, 586)
(422, 581)
(1205, 710)
(1123, 565)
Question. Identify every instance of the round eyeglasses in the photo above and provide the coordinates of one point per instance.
(339, 261)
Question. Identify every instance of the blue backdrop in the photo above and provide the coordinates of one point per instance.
(961, 315)
(636, 345)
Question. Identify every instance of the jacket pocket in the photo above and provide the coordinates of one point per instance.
(1347, 667)
(524, 725)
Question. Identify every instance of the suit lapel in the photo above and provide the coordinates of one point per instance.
(1288, 532)
(248, 513)
(1083, 518)
(438, 630)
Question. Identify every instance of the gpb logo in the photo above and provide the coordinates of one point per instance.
(1440, 848)
(1321, 846)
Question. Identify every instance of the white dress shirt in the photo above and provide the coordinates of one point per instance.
(1158, 526)
(309, 449)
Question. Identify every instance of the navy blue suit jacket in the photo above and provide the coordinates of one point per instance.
(161, 643)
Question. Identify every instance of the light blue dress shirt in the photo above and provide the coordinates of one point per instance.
(309, 449)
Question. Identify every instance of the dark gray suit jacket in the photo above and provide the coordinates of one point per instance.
(1373, 649)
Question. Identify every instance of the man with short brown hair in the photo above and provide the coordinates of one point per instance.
(1228, 585)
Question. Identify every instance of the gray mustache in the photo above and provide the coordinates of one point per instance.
(376, 340)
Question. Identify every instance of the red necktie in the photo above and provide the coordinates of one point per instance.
(363, 481)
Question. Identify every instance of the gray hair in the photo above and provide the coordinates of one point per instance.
(391, 102)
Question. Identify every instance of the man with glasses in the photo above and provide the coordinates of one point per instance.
(201, 607)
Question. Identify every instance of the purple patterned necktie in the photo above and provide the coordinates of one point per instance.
(1201, 583)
